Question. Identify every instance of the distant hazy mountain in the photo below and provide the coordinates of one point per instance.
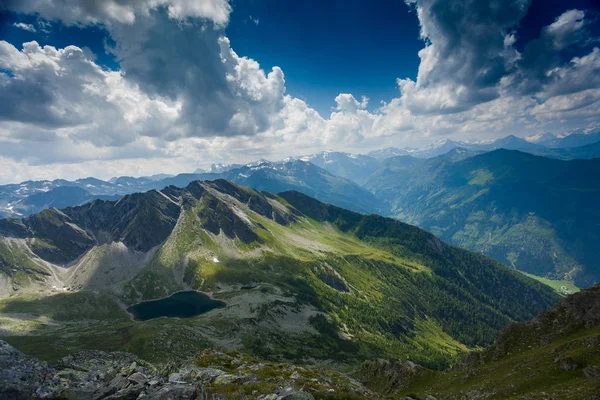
(306, 178)
(510, 142)
(542, 138)
(573, 140)
(537, 214)
(60, 197)
(439, 148)
(538, 145)
(388, 152)
(299, 175)
(15, 200)
(32, 196)
(355, 167)
(587, 151)
(126, 182)
(158, 177)
(217, 168)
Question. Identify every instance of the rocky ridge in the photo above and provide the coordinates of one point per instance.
(97, 375)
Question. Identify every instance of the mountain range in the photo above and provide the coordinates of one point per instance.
(535, 214)
(33, 196)
(353, 167)
(299, 279)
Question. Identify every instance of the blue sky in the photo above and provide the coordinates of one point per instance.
(171, 85)
(331, 47)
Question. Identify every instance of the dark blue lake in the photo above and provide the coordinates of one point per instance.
(180, 305)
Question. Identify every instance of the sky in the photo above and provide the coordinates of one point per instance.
(139, 87)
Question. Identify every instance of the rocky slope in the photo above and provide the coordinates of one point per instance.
(212, 375)
(300, 279)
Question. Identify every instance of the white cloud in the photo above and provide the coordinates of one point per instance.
(581, 73)
(567, 29)
(63, 89)
(346, 102)
(350, 123)
(25, 27)
(466, 53)
(122, 11)
(542, 57)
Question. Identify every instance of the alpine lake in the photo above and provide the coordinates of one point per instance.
(184, 304)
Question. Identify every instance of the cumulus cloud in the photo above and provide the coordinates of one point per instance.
(51, 89)
(217, 92)
(349, 123)
(467, 52)
(472, 79)
(182, 95)
(179, 82)
(545, 60)
(580, 74)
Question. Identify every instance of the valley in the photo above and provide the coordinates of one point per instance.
(294, 278)
(554, 355)
(286, 280)
(302, 280)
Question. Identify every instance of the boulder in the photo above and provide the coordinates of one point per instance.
(226, 379)
(138, 378)
(591, 372)
(297, 395)
(176, 392)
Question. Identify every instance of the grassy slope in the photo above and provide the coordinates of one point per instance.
(556, 284)
(531, 374)
(17, 265)
(555, 356)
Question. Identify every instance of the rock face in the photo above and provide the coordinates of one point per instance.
(99, 375)
(23, 377)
